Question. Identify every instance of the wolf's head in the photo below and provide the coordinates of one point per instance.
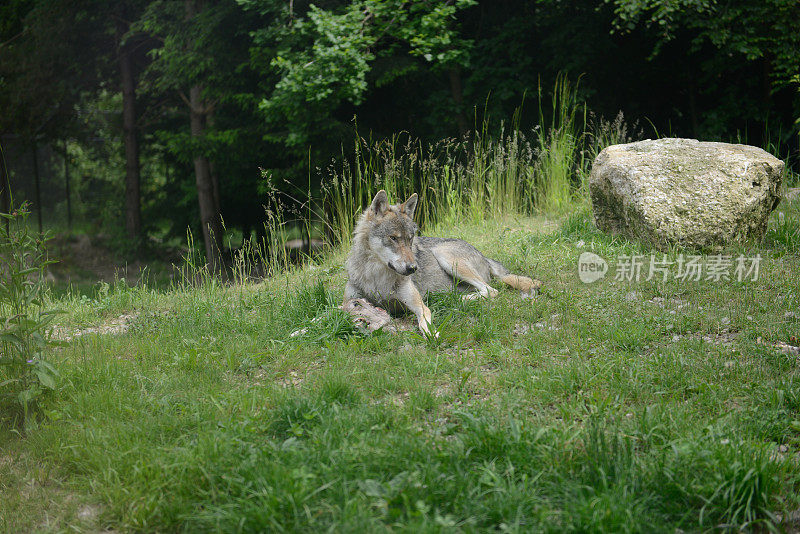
(390, 231)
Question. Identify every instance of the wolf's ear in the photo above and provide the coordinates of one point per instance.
(380, 203)
(410, 205)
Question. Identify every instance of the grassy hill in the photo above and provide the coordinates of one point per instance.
(614, 406)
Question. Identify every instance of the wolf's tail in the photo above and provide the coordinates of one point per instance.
(522, 283)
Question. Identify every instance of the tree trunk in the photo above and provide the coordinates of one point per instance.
(208, 201)
(209, 213)
(37, 186)
(133, 216)
(215, 186)
(5, 188)
(212, 168)
(458, 99)
(67, 188)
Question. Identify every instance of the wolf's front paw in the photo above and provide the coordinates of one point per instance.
(431, 334)
(428, 329)
(532, 291)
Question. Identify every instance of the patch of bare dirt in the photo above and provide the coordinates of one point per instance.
(466, 353)
(88, 512)
(552, 324)
(293, 377)
(116, 326)
(725, 337)
(443, 390)
(676, 303)
(781, 346)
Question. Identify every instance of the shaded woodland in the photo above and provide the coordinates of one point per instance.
(140, 119)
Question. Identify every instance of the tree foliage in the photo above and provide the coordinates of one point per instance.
(52, 54)
(324, 56)
(284, 84)
(764, 30)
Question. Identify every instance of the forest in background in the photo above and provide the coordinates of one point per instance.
(143, 118)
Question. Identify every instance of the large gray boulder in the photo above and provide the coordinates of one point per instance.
(685, 191)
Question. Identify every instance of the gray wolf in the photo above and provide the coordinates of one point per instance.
(390, 265)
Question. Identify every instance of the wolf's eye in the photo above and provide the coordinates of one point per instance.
(394, 238)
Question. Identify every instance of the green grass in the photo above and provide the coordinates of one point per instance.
(617, 407)
(484, 175)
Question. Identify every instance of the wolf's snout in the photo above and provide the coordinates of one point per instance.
(404, 269)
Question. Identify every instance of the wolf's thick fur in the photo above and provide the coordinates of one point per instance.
(389, 263)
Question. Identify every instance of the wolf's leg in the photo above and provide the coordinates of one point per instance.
(409, 295)
(350, 292)
(522, 283)
(460, 268)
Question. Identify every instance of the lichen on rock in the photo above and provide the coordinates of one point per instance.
(697, 194)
